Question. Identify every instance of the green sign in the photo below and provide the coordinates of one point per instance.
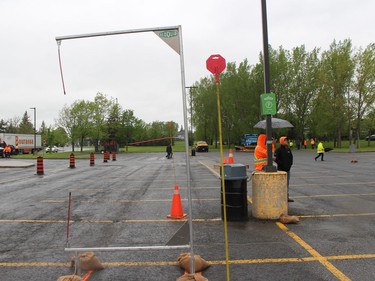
(268, 102)
(168, 34)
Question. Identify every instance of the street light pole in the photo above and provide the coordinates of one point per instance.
(191, 111)
(267, 87)
(34, 108)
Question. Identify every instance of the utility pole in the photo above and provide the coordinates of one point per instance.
(34, 108)
(267, 87)
(191, 112)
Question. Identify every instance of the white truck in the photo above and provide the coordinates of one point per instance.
(22, 143)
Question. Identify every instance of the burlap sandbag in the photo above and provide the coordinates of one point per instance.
(88, 261)
(184, 262)
(70, 278)
(189, 277)
(288, 219)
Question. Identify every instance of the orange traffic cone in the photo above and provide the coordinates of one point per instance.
(230, 158)
(225, 160)
(176, 209)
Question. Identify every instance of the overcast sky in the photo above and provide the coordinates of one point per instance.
(140, 70)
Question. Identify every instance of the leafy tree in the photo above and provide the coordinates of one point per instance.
(13, 125)
(50, 137)
(43, 131)
(3, 126)
(60, 137)
(237, 103)
(205, 108)
(363, 88)
(281, 78)
(337, 67)
(26, 127)
(369, 123)
(82, 112)
(68, 121)
(302, 88)
(100, 108)
(114, 122)
(129, 125)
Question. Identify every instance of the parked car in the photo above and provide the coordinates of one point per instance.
(201, 146)
(52, 149)
(372, 138)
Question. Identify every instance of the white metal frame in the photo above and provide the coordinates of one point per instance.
(183, 87)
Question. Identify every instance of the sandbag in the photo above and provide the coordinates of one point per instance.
(88, 261)
(195, 277)
(288, 219)
(184, 262)
(70, 278)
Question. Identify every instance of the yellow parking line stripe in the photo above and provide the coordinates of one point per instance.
(351, 257)
(321, 176)
(34, 221)
(336, 195)
(338, 215)
(126, 201)
(108, 221)
(202, 199)
(173, 263)
(34, 264)
(333, 184)
(167, 220)
(323, 260)
(210, 169)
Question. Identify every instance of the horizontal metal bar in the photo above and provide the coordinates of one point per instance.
(67, 37)
(127, 248)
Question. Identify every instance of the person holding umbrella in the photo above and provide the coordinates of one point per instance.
(284, 160)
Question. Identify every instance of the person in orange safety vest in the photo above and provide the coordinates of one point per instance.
(7, 151)
(260, 153)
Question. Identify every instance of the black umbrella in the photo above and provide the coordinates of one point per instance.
(275, 123)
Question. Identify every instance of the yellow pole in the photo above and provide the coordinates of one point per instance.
(223, 182)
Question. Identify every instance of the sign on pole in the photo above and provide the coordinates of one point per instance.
(216, 65)
(268, 102)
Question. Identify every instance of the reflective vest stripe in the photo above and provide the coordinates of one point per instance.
(260, 161)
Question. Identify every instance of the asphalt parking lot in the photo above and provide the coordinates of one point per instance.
(124, 203)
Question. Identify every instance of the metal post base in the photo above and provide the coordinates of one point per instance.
(269, 168)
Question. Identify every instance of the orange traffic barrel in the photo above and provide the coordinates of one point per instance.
(72, 163)
(39, 166)
(113, 156)
(92, 159)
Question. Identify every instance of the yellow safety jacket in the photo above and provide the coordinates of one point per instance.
(320, 148)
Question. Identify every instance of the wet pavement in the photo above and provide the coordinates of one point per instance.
(13, 163)
(125, 203)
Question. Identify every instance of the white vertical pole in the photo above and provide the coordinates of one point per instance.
(190, 213)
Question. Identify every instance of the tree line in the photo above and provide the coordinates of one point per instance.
(98, 122)
(327, 95)
(324, 94)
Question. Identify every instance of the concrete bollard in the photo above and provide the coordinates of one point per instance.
(269, 195)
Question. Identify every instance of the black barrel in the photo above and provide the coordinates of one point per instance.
(235, 180)
(193, 152)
